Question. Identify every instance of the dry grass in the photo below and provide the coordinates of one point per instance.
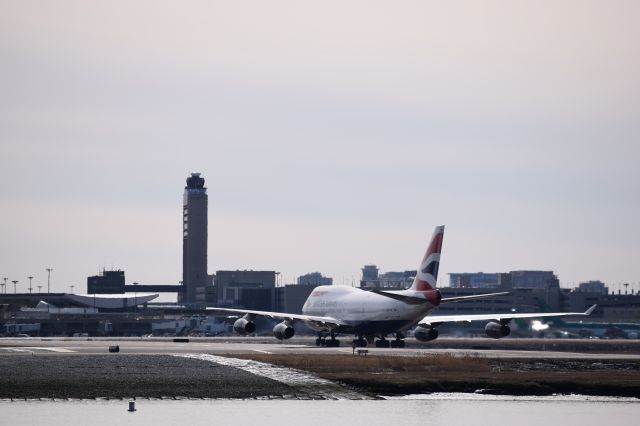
(447, 372)
(338, 363)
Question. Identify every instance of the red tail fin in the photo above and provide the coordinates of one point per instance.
(427, 276)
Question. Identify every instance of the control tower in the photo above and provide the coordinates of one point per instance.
(194, 240)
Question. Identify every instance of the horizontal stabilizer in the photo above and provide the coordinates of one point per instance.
(474, 296)
(410, 300)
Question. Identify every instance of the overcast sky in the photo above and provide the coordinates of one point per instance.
(331, 135)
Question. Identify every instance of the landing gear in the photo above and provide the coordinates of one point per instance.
(399, 342)
(382, 343)
(359, 342)
(332, 343)
(329, 343)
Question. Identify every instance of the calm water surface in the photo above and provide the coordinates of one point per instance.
(434, 409)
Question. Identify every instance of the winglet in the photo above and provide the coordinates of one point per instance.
(590, 310)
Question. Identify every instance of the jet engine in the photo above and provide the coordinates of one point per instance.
(242, 326)
(425, 334)
(283, 331)
(496, 330)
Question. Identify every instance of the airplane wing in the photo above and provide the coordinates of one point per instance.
(504, 318)
(329, 322)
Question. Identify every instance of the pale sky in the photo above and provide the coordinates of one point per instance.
(331, 135)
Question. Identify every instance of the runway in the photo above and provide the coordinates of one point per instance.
(229, 346)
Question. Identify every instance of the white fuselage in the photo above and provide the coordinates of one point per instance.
(363, 311)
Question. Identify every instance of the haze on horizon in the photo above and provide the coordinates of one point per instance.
(330, 136)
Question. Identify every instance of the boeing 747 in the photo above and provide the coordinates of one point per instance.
(373, 315)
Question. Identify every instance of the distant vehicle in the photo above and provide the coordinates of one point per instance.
(372, 315)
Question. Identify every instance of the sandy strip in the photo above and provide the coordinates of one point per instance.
(302, 381)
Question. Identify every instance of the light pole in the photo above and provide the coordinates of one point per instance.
(49, 279)
(15, 283)
(5, 285)
(39, 289)
(135, 296)
(48, 287)
(71, 288)
(30, 287)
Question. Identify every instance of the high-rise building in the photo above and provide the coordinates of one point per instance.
(194, 241)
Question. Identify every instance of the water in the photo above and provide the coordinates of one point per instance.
(434, 409)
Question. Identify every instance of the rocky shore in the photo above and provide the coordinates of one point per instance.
(127, 376)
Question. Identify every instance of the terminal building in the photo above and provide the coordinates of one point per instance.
(246, 289)
(372, 279)
(109, 282)
(314, 278)
(113, 282)
(474, 280)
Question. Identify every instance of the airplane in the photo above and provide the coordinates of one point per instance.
(373, 315)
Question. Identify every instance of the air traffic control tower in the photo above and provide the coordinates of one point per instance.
(194, 240)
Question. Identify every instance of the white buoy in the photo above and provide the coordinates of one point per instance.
(132, 406)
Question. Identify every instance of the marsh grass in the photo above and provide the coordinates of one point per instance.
(447, 372)
(375, 363)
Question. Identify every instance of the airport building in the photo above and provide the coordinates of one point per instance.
(246, 289)
(392, 280)
(533, 279)
(194, 241)
(314, 278)
(113, 282)
(109, 282)
(529, 291)
(597, 287)
(291, 297)
(474, 280)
